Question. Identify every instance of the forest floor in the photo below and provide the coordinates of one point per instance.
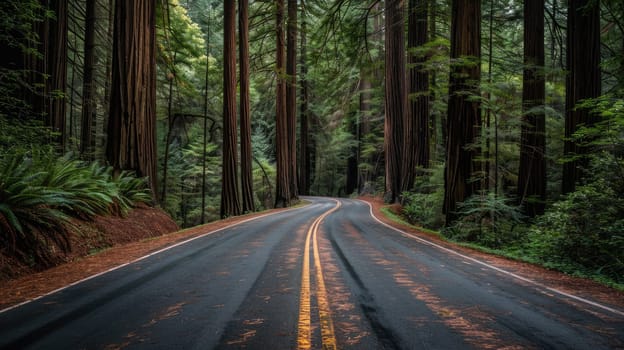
(147, 230)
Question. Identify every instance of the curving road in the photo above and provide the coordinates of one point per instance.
(327, 275)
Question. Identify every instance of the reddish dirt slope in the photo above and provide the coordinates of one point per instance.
(145, 230)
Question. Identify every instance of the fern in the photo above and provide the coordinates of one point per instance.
(40, 194)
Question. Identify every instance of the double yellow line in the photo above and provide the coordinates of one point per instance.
(304, 336)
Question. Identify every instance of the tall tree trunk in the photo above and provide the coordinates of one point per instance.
(107, 79)
(131, 132)
(245, 117)
(46, 67)
(304, 143)
(282, 153)
(365, 173)
(464, 115)
(583, 82)
(57, 65)
(89, 105)
(170, 123)
(291, 96)
(532, 172)
(351, 185)
(395, 97)
(230, 204)
(441, 118)
(416, 136)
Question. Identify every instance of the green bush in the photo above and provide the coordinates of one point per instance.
(583, 232)
(424, 209)
(423, 206)
(487, 220)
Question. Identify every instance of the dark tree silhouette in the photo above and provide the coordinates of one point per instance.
(583, 82)
(87, 134)
(304, 143)
(416, 126)
(395, 97)
(532, 171)
(291, 96)
(464, 115)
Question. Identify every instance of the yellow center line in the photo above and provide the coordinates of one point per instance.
(304, 335)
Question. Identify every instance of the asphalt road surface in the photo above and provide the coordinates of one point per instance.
(327, 275)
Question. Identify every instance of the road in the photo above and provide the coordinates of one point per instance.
(326, 275)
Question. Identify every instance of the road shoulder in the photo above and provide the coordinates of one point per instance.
(580, 287)
(30, 287)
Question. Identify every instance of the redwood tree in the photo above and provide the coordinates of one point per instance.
(532, 172)
(87, 134)
(245, 118)
(583, 81)
(131, 143)
(416, 127)
(56, 56)
(464, 114)
(230, 204)
(395, 97)
(304, 144)
(282, 153)
(291, 96)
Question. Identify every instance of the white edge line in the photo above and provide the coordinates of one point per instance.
(143, 258)
(498, 269)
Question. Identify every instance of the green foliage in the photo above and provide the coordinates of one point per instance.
(131, 190)
(31, 215)
(184, 179)
(17, 38)
(40, 194)
(583, 232)
(487, 220)
(264, 175)
(423, 206)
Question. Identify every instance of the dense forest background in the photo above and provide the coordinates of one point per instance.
(499, 123)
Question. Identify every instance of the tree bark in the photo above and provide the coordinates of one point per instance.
(282, 153)
(230, 204)
(395, 97)
(416, 128)
(87, 134)
(583, 82)
(364, 174)
(532, 171)
(304, 143)
(46, 68)
(57, 63)
(291, 96)
(464, 116)
(245, 117)
(351, 185)
(131, 143)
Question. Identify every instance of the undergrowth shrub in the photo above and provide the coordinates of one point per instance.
(584, 232)
(423, 206)
(488, 220)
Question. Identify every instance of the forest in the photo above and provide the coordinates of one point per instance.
(498, 124)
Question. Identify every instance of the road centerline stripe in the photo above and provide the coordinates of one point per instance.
(304, 333)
